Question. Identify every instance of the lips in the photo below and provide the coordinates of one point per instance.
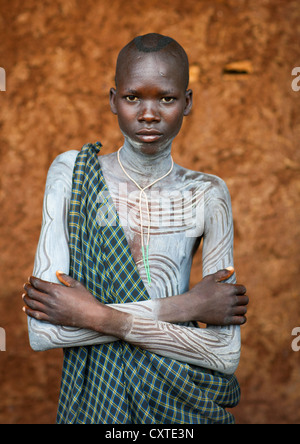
(148, 134)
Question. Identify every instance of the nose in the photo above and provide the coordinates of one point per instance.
(149, 112)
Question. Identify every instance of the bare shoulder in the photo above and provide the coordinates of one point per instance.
(60, 173)
(66, 159)
(213, 185)
(62, 166)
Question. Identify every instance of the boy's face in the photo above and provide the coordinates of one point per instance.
(150, 100)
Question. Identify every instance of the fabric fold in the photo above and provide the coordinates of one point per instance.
(119, 383)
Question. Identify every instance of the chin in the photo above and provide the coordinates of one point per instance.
(148, 148)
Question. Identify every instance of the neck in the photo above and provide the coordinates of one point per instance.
(144, 167)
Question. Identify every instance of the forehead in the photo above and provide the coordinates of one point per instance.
(140, 69)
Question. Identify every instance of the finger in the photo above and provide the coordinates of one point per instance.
(65, 279)
(33, 304)
(240, 289)
(35, 314)
(39, 284)
(240, 310)
(35, 294)
(238, 320)
(242, 300)
(241, 320)
(223, 275)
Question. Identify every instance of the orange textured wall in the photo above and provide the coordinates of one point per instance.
(59, 58)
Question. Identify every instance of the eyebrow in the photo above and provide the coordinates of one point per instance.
(131, 91)
(164, 92)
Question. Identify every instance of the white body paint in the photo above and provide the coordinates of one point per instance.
(173, 237)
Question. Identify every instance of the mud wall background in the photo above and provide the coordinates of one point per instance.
(59, 58)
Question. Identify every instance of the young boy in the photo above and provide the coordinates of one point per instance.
(135, 219)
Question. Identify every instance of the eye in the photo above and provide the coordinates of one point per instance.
(131, 98)
(168, 99)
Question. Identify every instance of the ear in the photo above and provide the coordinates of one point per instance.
(189, 102)
(112, 100)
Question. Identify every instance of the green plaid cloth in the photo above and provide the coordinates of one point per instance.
(118, 383)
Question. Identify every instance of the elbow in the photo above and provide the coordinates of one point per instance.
(231, 351)
(38, 339)
(35, 347)
(38, 344)
(230, 361)
(230, 368)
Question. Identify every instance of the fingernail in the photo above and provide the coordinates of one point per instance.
(23, 295)
(60, 272)
(229, 268)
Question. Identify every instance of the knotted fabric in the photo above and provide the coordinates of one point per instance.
(118, 383)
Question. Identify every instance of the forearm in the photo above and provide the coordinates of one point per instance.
(174, 309)
(54, 255)
(45, 336)
(140, 323)
(215, 348)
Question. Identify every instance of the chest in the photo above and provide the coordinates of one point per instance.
(166, 220)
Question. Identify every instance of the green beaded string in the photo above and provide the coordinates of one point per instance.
(145, 256)
(146, 263)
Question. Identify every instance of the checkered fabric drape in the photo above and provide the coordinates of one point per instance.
(118, 383)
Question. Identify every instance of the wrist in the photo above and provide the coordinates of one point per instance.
(173, 309)
(112, 322)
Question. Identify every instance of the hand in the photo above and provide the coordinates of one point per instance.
(211, 302)
(217, 303)
(70, 304)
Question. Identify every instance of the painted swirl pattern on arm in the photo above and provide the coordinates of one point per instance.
(216, 348)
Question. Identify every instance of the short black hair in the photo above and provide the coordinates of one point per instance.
(153, 42)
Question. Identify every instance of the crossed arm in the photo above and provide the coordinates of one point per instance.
(75, 318)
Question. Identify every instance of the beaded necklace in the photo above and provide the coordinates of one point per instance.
(145, 251)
